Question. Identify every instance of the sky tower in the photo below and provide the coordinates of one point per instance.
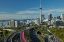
(40, 12)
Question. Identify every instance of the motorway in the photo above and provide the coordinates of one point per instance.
(50, 37)
(33, 36)
(20, 36)
(2, 40)
(16, 38)
(10, 37)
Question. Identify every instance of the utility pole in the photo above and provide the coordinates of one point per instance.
(4, 34)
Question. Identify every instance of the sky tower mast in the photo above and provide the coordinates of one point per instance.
(40, 12)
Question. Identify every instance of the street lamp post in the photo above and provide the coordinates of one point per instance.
(11, 40)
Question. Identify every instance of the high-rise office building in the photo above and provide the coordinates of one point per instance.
(37, 21)
(28, 22)
(21, 23)
(16, 23)
(42, 17)
(58, 17)
(58, 22)
(12, 23)
(49, 17)
(53, 20)
(62, 17)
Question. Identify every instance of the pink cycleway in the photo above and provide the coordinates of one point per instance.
(23, 37)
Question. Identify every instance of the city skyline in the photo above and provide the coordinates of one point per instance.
(21, 9)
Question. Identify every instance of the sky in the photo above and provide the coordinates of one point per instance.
(29, 9)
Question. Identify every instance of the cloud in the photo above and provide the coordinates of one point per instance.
(14, 16)
(27, 12)
(52, 11)
(9, 16)
(2, 12)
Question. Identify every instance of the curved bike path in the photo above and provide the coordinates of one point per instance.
(23, 37)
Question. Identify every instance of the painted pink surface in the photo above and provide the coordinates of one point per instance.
(22, 37)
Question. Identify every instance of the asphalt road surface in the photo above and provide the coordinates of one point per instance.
(16, 38)
(33, 36)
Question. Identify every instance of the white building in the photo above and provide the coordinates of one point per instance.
(37, 21)
(16, 23)
(49, 17)
(21, 23)
(53, 20)
(62, 17)
(28, 22)
(12, 23)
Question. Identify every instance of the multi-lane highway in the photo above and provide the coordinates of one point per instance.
(33, 36)
(50, 37)
(2, 40)
(16, 38)
(20, 35)
(11, 36)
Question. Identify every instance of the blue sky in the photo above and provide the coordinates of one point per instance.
(21, 9)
